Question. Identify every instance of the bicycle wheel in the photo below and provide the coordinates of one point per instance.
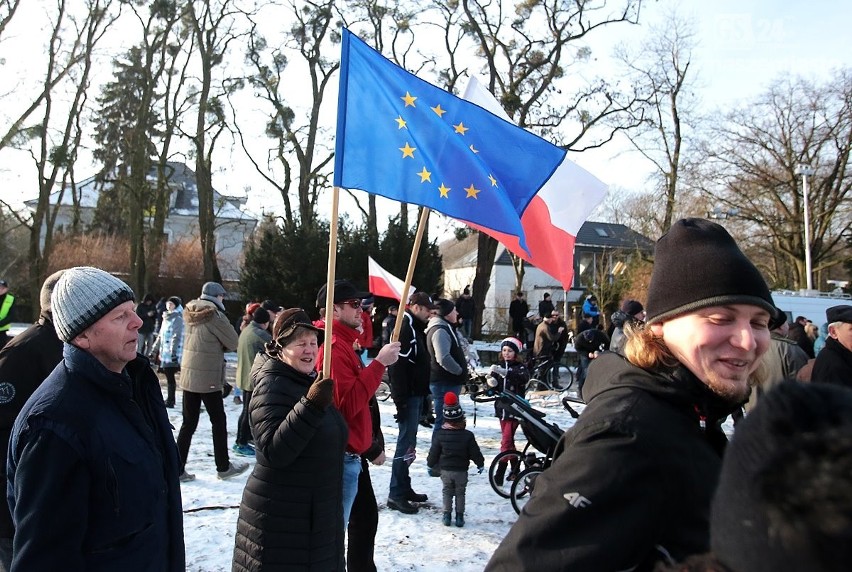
(383, 392)
(501, 473)
(523, 487)
(560, 375)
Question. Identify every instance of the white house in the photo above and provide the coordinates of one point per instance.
(233, 224)
(597, 245)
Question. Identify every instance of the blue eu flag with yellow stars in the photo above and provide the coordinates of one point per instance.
(405, 139)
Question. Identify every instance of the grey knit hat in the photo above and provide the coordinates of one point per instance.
(83, 296)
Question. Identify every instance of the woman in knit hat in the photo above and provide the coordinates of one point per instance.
(631, 482)
(453, 448)
(512, 376)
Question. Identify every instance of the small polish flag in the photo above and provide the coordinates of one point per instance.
(555, 214)
(385, 284)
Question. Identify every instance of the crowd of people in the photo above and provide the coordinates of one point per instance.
(644, 480)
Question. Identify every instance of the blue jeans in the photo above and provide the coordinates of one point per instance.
(351, 470)
(467, 327)
(582, 370)
(409, 420)
(438, 390)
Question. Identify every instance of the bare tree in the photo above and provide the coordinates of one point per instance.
(666, 108)
(526, 50)
(298, 142)
(53, 142)
(213, 25)
(751, 168)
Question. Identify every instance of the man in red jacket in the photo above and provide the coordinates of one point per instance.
(354, 384)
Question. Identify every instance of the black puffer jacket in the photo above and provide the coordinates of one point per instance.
(515, 381)
(833, 364)
(291, 514)
(632, 480)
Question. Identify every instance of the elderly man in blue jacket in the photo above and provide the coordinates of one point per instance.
(92, 473)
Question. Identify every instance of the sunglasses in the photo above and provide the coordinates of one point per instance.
(351, 303)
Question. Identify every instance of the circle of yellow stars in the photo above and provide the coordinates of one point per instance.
(425, 175)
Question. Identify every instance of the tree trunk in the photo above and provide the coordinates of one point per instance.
(486, 251)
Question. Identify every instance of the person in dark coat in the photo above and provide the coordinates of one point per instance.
(588, 344)
(25, 363)
(409, 386)
(631, 482)
(92, 475)
(466, 306)
(291, 513)
(511, 376)
(834, 362)
(545, 306)
(518, 309)
(364, 518)
(798, 334)
(631, 313)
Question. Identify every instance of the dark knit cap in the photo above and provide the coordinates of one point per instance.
(783, 500)
(698, 264)
(83, 296)
(176, 301)
(445, 307)
(260, 315)
(513, 343)
(47, 291)
(631, 307)
(452, 409)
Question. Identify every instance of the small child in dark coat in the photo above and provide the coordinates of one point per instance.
(453, 448)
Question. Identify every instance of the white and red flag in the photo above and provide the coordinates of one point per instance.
(555, 214)
(385, 284)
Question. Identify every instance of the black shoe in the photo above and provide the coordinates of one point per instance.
(411, 496)
(425, 423)
(403, 506)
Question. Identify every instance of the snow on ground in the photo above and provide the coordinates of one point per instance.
(403, 542)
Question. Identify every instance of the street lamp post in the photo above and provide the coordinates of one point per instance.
(805, 171)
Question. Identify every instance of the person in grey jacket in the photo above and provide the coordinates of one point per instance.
(448, 366)
(208, 336)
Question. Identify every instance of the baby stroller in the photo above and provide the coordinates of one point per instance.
(512, 474)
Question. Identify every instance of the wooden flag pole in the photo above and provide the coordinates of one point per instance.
(329, 291)
(409, 275)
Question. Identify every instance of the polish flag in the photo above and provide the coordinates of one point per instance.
(385, 284)
(555, 214)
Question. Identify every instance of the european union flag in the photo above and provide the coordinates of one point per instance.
(405, 139)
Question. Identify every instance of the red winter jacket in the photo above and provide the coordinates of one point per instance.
(354, 385)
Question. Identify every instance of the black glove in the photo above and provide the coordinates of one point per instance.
(321, 392)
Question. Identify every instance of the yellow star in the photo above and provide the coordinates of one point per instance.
(474, 149)
(437, 109)
(401, 122)
(493, 180)
(408, 99)
(445, 191)
(407, 151)
(460, 128)
(425, 175)
(472, 192)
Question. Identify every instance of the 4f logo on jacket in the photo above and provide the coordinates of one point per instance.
(577, 500)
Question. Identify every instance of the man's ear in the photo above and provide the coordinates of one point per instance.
(832, 331)
(82, 340)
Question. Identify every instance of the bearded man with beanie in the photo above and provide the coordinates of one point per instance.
(447, 364)
(92, 478)
(208, 335)
(631, 482)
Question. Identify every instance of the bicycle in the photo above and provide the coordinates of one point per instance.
(383, 392)
(548, 375)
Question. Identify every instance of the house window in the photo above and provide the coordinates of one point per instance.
(601, 232)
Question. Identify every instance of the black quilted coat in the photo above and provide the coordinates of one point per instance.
(291, 514)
